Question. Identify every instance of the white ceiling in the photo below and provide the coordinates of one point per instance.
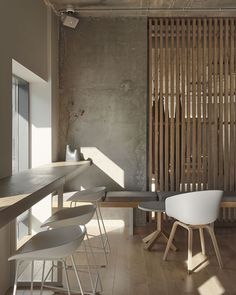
(143, 7)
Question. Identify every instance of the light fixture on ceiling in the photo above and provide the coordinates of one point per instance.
(69, 17)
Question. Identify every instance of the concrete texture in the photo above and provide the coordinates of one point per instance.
(103, 99)
(150, 8)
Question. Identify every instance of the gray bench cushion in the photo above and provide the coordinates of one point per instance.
(163, 195)
(130, 196)
(229, 197)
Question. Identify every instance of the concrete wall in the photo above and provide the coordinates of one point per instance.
(103, 100)
(24, 29)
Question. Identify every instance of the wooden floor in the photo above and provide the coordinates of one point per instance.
(134, 271)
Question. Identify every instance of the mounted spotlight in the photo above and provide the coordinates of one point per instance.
(69, 17)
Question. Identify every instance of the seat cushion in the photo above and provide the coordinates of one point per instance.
(130, 196)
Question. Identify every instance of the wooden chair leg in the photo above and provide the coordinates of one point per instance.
(214, 242)
(201, 233)
(170, 239)
(190, 247)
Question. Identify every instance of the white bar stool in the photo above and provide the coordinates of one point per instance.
(80, 215)
(95, 196)
(56, 245)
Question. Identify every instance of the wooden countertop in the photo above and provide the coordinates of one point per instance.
(21, 191)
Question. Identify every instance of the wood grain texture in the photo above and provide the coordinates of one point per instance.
(150, 113)
(156, 137)
(196, 68)
(172, 98)
(161, 141)
(23, 190)
(167, 81)
(134, 271)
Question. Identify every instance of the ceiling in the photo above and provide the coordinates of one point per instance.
(145, 7)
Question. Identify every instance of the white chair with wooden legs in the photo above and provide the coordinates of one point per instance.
(54, 245)
(80, 215)
(195, 210)
(95, 196)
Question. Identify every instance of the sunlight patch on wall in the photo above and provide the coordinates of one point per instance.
(105, 164)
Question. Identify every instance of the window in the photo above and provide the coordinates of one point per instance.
(20, 141)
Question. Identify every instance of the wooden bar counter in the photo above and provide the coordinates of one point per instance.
(23, 190)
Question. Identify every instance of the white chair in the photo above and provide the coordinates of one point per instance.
(95, 196)
(80, 215)
(195, 210)
(56, 245)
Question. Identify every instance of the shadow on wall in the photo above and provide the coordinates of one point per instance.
(103, 172)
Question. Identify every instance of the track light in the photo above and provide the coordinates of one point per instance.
(69, 17)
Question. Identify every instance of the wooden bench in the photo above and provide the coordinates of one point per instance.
(131, 199)
(128, 199)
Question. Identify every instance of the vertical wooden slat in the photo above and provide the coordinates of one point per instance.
(199, 97)
(194, 151)
(156, 104)
(235, 107)
(150, 104)
(166, 104)
(161, 107)
(188, 102)
(172, 128)
(232, 109)
(221, 107)
(194, 73)
(177, 130)
(215, 109)
(183, 121)
(226, 108)
(204, 105)
(210, 168)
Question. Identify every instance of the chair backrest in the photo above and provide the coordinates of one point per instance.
(197, 208)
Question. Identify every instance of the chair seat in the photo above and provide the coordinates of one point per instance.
(80, 215)
(95, 194)
(152, 206)
(52, 244)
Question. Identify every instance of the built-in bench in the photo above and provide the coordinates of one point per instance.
(128, 199)
(131, 199)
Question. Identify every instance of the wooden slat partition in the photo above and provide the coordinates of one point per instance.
(150, 104)
(192, 103)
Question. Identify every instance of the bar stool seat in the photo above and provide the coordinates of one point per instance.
(80, 215)
(94, 195)
(158, 207)
(57, 244)
(54, 244)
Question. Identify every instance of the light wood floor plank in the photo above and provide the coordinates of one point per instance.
(135, 271)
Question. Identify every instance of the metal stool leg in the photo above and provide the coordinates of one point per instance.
(95, 264)
(104, 228)
(16, 277)
(88, 265)
(101, 237)
(32, 278)
(77, 275)
(66, 276)
(42, 282)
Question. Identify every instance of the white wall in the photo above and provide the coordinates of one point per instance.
(26, 36)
